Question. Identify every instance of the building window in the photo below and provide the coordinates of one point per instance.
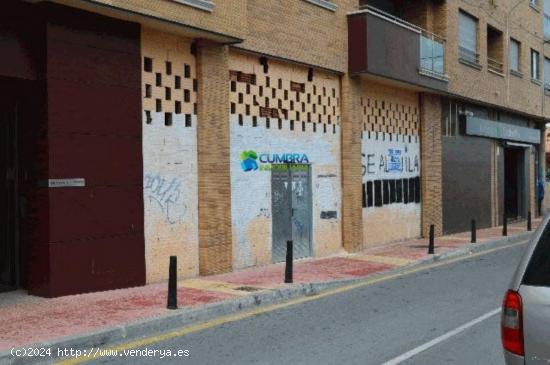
(546, 74)
(495, 50)
(535, 72)
(450, 117)
(515, 51)
(535, 4)
(206, 5)
(547, 20)
(467, 38)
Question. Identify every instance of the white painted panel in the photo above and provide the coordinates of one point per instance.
(251, 190)
(390, 156)
(170, 193)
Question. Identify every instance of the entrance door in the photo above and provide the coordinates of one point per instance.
(8, 196)
(513, 182)
(291, 207)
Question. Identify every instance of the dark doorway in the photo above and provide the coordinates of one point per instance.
(9, 240)
(513, 182)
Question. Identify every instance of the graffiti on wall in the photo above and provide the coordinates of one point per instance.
(166, 192)
(390, 160)
(391, 170)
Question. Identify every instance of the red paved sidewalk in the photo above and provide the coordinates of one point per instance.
(25, 319)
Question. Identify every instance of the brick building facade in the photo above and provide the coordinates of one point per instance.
(216, 131)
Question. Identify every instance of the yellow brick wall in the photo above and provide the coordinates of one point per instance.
(352, 172)
(215, 237)
(431, 157)
(229, 16)
(525, 25)
(300, 31)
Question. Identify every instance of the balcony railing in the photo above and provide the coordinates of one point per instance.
(432, 46)
(384, 45)
(495, 65)
(546, 27)
(432, 54)
(468, 55)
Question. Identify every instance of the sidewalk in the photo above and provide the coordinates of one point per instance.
(28, 320)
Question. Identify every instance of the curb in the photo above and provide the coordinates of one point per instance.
(186, 317)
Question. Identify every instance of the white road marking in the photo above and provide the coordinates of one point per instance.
(435, 341)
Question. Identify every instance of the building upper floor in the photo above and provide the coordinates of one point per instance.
(489, 51)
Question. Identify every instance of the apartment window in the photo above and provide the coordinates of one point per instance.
(515, 49)
(494, 50)
(535, 72)
(467, 38)
(450, 118)
(546, 74)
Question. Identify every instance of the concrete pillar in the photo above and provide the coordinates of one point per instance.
(431, 163)
(352, 209)
(215, 237)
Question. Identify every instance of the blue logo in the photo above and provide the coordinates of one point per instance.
(248, 161)
(395, 162)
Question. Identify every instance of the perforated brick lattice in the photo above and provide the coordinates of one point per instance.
(389, 117)
(169, 80)
(307, 99)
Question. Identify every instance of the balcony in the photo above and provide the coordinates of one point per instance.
(495, 65)
(382, 44)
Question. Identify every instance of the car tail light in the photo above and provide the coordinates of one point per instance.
(512, 323)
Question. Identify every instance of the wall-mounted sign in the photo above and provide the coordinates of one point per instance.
(65, 183)
(486, 128)
(252, 161)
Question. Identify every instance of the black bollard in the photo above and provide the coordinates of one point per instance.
(173, 283)
(504, 225)
(431, 247)
(474, 233)
(288, 268)
(529, 225)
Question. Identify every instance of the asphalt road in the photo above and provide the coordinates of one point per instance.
(368, 325)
